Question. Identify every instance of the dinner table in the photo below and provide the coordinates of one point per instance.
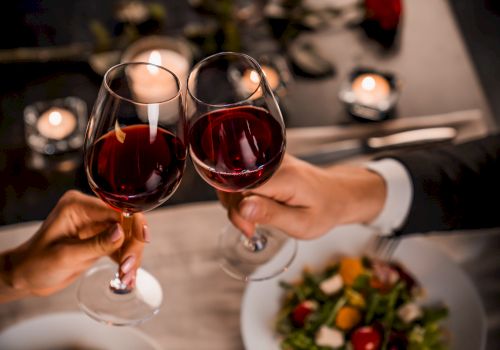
(202, 306)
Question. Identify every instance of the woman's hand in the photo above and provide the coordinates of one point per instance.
(306, 201)
(78, 231)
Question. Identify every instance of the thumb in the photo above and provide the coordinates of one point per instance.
(262, 210)
(100, 245)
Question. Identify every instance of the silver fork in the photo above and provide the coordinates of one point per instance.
(384, 247)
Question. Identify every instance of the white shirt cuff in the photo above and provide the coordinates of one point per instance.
(399, 195)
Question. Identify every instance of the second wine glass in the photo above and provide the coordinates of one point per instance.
(236, 142)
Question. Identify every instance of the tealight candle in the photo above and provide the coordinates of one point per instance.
(250, 80)
(370, 89)
(56, 123)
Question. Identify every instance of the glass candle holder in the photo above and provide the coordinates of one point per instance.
(370, 95)
(56, 126)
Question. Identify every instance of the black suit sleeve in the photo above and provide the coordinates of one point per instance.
(454, 187)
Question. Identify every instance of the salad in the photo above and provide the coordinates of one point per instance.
(358, 304)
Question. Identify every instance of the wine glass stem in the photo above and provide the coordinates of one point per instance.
(116, 285)
(256, 243)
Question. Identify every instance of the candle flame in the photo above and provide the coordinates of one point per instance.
(368, 84)
(154, 58)
(55, 118)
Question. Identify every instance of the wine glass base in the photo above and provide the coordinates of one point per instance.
(99, 301)
(241, 262)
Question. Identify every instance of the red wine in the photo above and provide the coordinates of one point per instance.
(137, 172)
(235, 149)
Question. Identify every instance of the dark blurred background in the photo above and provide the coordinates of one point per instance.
(29, 194)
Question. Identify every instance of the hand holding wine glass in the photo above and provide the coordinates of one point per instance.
(134, 158)
(237, 142)
(79, 230)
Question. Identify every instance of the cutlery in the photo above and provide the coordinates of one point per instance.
(340, 150)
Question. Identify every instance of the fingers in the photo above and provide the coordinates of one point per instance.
(284, 184)
(78, 215)
(256, 209)
(131, 253)
(130, 260)
(95, 247)
(244, 225)
(87, 209)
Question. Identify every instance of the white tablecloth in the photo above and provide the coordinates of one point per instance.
(201, 304)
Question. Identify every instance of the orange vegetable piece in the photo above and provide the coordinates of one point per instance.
(350, 269)
(347, 318)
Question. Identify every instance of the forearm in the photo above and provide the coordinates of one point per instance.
(9, 290)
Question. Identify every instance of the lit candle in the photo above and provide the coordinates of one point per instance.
(371, 89)
(56, 123)
(251, 79)
(151, 85)
(169, 59)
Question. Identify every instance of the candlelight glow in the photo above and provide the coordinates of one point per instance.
(368, 83)
(254, 77)
(55, 118)
(153, 114)
(154, 58)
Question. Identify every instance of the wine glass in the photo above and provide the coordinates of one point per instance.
(135, 155)
(236, 143)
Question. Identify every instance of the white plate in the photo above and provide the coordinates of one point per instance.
(72, 330)
(442, 279)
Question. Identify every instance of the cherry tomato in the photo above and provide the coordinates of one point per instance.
(366, 338)
(301, 312)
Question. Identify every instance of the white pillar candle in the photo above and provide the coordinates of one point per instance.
(169, 59)
(56, 123)
(153, 86)
(371, 89)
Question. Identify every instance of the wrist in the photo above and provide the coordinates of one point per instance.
(364, 193)
(374, 192)
(11, 285)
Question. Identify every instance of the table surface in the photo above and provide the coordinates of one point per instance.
(435, 69)
(201, 306)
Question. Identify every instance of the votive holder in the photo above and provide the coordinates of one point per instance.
(55, 126)
(369, 94)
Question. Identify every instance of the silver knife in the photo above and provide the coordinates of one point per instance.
(336, 151)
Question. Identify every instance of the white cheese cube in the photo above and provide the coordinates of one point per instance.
(332, 285)
(409, 312)
(327, 336)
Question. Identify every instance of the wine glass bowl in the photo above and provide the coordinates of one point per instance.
(236, 142)
(135, 153)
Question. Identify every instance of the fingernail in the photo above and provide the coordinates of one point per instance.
(128, 277)
(116, 234)
(146, 234)
(128, 264)
(248, 209)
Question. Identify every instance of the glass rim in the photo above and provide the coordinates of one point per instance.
(120, 65)
(232, 104)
